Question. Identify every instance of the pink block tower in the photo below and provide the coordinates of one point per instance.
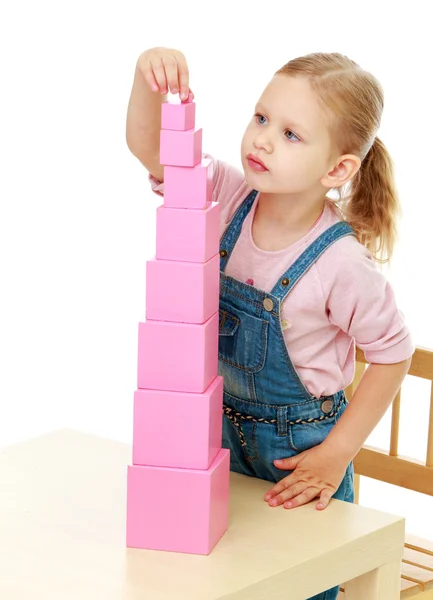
(178, 483)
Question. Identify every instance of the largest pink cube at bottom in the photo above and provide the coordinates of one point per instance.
(178, 510)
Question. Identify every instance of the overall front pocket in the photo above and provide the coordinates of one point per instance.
(242, 339)
(304, 436)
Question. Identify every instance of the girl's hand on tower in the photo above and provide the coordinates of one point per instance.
(316, 472)
(165, 70)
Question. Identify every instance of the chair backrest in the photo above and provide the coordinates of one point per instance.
(387, 465)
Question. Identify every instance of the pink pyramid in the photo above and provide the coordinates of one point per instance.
(178, 483)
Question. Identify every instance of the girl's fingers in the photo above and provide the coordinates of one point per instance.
(159, 74)
(183, 77)
(166, 70)
(286, 494)
(150, 78)
(306, 496)
(280, 487)
(325, 498)
(172, 75)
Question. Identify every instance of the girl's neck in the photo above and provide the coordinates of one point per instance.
(284, 220)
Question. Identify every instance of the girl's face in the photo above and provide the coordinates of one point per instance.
(288, 134)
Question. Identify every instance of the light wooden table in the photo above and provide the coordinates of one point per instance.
(62, 537)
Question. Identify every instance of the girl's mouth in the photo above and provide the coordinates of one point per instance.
(256, 164)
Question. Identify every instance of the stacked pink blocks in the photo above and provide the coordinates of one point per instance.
(178, 483)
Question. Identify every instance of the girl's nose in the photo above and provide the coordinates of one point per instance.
(263, 142)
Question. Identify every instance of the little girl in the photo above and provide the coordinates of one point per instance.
(299, 284)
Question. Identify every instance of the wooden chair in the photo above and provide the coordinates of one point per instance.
(388, 466)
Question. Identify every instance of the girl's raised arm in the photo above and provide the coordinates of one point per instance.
(157, 71)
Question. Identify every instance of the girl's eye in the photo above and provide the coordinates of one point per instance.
(291, 132)
(260, 119)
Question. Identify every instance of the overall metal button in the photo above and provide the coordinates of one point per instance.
(285, 281)
(223, 253)
(326, 406)
(268, 304)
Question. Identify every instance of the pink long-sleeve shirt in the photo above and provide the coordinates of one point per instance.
(342, 300)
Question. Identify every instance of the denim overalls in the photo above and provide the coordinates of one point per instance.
(268, 412)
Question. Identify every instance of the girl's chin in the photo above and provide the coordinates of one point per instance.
(253, 181)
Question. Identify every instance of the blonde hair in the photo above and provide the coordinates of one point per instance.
(355, 99)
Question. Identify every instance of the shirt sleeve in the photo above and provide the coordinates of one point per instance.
(361, 302)
(156, 185)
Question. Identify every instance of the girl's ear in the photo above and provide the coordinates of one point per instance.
(346, 168)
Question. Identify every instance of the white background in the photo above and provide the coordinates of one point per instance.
(77, 217)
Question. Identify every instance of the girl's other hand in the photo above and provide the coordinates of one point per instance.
(165, 69)
(318, 471)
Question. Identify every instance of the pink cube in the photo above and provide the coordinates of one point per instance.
(178, 116)
(184, 292)
(189, 187)
(179, 357)
(176, 429)
(187, 235)
(181, 148)
(178, 510)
